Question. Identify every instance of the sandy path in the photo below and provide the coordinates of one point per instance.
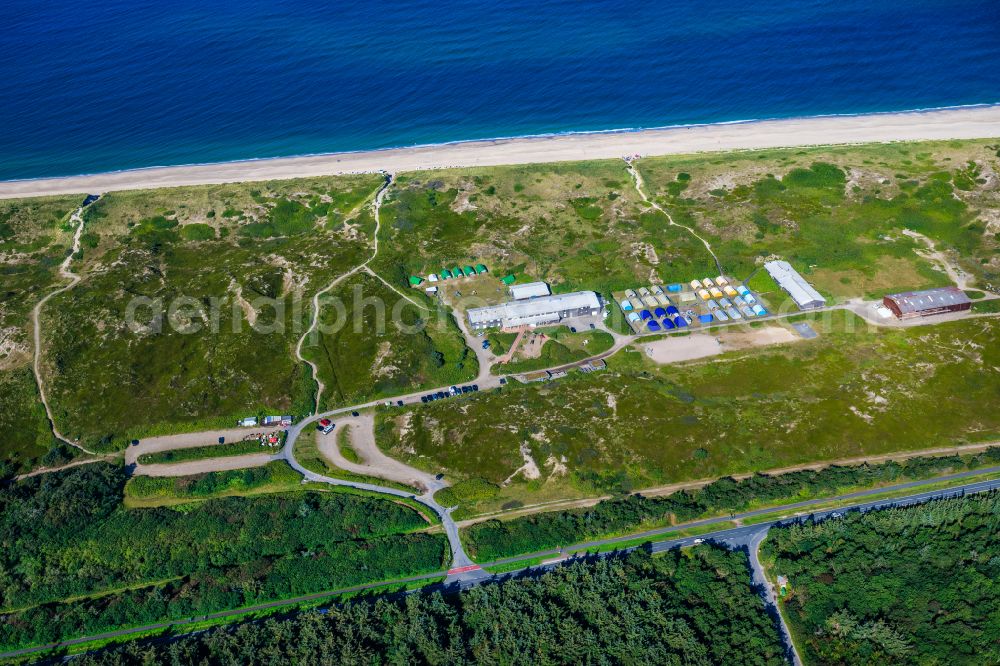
(376, 463)
(674, 348)
(189, 440)
(959, 123)
(637, 180)
(36, 314)
(941, 260)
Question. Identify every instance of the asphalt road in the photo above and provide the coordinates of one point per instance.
(735, 537)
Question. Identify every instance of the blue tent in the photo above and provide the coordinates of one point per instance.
(653, 326)
(660, 312)
(667, 324)
(705, 318)
(680, 322)
(645, 315)
(672, 310)
(674, 288)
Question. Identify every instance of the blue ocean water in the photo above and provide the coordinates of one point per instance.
(89, 86)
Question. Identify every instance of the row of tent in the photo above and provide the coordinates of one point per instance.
(670, 320)
(448, 274)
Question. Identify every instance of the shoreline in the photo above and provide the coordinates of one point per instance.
(964, 122)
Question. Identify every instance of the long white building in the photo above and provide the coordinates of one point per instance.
(536, 311)
(789, 279)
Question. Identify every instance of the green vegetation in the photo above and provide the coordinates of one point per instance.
(468, 491)
(77, 562)
(853, 391)
(693, 608)
(577, 226)
(216, 315)
(990, 306)
(273, 477)
(34, 239)
(837, 213)
(345, 446)
(496, 539)
(210, 451)
(561, 348)
(896, 586)
(375, 344)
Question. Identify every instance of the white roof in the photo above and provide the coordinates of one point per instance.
(789, 279)
(535, 310)
(529, 290)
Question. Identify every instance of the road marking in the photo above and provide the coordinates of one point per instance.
(466, 569)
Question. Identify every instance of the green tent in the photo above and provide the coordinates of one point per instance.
(480, 269)
(445, 274)
(457, 272)
(468, 270)
(415, 281)
(509, 280)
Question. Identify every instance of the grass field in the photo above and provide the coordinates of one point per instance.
(215, 311)
(836, 212)
(851, 392)
(372, 343)
(34, 239)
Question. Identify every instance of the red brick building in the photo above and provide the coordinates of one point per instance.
(925, 303)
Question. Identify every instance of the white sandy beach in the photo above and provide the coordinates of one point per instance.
(957, 123)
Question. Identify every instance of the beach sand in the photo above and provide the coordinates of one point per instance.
(956, 123)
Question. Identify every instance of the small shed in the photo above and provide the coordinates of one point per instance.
(432, 277)
(529, 290)
(431, 290)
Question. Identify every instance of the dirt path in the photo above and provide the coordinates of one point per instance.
(314, 321)
(36, 324)
(208, 465)
(562, 505)
(189, 440)
(375, 463)
(637, 179)
(59, 468)
(941, 260)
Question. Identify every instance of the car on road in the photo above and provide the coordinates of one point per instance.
(486, 344)
(698, 541)
(836, 514)
(441, 395)
(572, 329)
(503, 380)
(325, 426)
(475, 387)
(454, 390)
(355, 414)
(423, 398)
(399, 403)
(592, 327)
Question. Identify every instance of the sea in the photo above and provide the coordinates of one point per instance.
(91, 86)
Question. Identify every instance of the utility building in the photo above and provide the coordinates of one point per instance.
(925, 303)
(529, 290)
(795, 285)
(536, 311)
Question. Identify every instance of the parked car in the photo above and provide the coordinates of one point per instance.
(454, 390)
(572, 329)
(423, 398)
(325, 426)
(355, 414)
(503, 380)
(399, 403)
(475, 387)
(441, 395)
(486, 344)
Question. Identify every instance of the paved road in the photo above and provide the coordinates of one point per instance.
(736, 537)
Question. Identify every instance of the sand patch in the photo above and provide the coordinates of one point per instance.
(675, 349)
